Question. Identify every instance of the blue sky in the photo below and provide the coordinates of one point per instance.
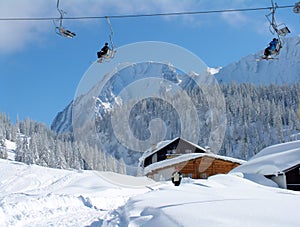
(40, 70)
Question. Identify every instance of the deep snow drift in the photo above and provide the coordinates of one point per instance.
(38, 196)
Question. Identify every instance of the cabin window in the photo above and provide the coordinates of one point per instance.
(204, 176)
(190, 175)
(299, 170)
(154, 158)
(188, 151)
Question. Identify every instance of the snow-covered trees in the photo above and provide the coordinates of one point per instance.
(257, 116)
(37, 144)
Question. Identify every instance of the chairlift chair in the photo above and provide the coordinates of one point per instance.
(108, 56)
(282, 30)
(64, 32)
(60, 30)
(297, 7)
(111, 52)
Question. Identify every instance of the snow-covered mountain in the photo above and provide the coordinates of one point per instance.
(63, 120)
(92, 112)
(284, 70)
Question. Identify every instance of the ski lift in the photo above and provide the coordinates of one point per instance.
(60, 30)
(281, 29)
(111, 51)
(297, 7)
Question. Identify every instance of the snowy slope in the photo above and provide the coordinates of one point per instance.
(39, 196)
(285, 69)
(11, 149)
(222, 200)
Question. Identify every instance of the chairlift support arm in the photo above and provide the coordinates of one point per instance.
(111, 32)
(59, 29)
(272, 21)
(281, 29)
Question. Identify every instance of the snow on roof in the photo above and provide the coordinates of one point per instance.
(187, 157)
(273, 159)
(158, 146)
(278, 148)
(162, 144)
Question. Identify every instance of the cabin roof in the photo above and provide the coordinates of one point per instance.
(273, 160)
(187, 157)
(165, 143)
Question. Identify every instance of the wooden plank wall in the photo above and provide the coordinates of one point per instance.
(202, 168)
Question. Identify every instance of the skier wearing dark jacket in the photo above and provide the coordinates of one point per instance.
(272, 48)
(176, 178)
(103, 51)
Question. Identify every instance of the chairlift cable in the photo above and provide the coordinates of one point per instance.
(143, 15)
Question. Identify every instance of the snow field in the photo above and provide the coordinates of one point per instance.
(222, 200)
(31, 195)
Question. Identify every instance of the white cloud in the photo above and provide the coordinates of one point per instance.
(235, 19)
(15, 35)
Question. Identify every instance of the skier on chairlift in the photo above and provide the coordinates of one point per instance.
(103, 51)
(273, 48)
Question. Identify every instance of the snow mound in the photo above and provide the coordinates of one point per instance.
(37, 196)
(224, 200)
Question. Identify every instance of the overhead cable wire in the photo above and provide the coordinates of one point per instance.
(142, 15)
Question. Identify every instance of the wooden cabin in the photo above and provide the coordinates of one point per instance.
(196, 166)
(169, 149)
(190, 159)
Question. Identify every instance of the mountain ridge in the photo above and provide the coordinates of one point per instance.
(285, 69)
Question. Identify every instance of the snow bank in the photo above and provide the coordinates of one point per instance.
(36, 196)
(222, 200)
(31, 195)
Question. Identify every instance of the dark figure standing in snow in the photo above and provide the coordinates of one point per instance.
(271, 48)
(103, 51)
(176, 178)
